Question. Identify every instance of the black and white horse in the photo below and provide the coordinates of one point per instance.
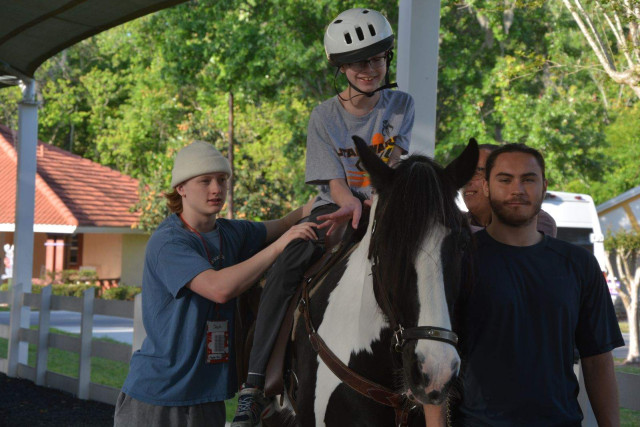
(405, 273)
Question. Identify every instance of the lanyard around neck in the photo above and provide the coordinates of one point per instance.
(204, 243)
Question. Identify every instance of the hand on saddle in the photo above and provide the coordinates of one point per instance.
(299, 231)
(351, 209)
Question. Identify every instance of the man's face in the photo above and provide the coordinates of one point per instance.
(472, 194)
(515, 188)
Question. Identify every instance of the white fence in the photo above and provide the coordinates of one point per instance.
(88, 305)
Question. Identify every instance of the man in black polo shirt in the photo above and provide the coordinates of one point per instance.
(534, 300)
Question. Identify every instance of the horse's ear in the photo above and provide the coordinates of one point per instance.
(381, 174)
(462, 168)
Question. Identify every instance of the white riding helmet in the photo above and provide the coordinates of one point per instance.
(355, 35)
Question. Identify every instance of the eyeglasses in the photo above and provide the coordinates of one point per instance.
(376, 62)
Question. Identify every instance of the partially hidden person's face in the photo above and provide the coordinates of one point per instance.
(367, 75)
(472, 193)
(204, 194)
(515, 188)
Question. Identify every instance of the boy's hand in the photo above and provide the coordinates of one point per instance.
(351, 209)
(299, 231)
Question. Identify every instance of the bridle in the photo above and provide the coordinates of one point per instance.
(400, 334)
(400, 402)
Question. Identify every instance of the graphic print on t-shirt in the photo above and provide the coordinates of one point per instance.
(357, 177)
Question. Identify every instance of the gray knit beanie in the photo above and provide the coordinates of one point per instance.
(198, 158)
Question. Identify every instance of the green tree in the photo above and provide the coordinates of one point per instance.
(624, 247)
(516, 71)
(612, 30)
(507, 73)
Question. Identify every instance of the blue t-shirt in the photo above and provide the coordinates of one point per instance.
(170, 368)
(529, 308)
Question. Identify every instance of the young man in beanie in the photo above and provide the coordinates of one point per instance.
(195, 266)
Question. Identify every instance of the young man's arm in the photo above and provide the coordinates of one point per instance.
(277, 227)
(602, 389)
(223, 285)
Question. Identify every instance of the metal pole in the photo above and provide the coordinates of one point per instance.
(418, 44)
(24, 218)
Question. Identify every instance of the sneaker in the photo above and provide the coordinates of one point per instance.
(252, 407)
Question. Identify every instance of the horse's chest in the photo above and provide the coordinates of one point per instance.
(351, 325)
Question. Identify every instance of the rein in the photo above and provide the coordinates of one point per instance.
(356, 382)
(370, 389)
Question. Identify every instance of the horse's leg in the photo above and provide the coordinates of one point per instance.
(305, 367)
(349, 408)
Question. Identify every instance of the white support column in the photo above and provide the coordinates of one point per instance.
(418, 33)
(24, 217)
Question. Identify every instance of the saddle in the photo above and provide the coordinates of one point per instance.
(247, 311)
(335, 245)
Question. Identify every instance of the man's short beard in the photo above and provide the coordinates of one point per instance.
(502, 214)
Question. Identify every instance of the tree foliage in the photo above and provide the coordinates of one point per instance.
(509, 71)
(624, 247)
(612, 30)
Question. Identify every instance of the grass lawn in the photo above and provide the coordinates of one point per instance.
(629, 418)
(103, 371)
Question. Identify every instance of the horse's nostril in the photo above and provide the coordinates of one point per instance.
(434, 395)
(454, 366)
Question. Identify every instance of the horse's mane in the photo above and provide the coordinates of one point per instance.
(420, 197)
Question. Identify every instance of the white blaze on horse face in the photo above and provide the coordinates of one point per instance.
(351, 322)
(439, 360)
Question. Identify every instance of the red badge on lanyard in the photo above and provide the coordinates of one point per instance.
(217, 335)
(218, 341)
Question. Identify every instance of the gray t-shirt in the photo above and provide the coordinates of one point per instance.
(331, 153)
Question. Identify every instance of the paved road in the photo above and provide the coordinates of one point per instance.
(117, 328)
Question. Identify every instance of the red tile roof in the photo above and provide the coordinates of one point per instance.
(70, 190)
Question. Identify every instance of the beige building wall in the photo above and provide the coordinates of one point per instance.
(104, 253)
(39, 251)
(133, 247)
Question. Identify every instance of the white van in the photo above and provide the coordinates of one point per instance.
(577, 221)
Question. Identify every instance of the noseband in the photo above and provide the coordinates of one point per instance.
(433, 333)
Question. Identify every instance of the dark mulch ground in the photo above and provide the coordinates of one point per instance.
(22, 403)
